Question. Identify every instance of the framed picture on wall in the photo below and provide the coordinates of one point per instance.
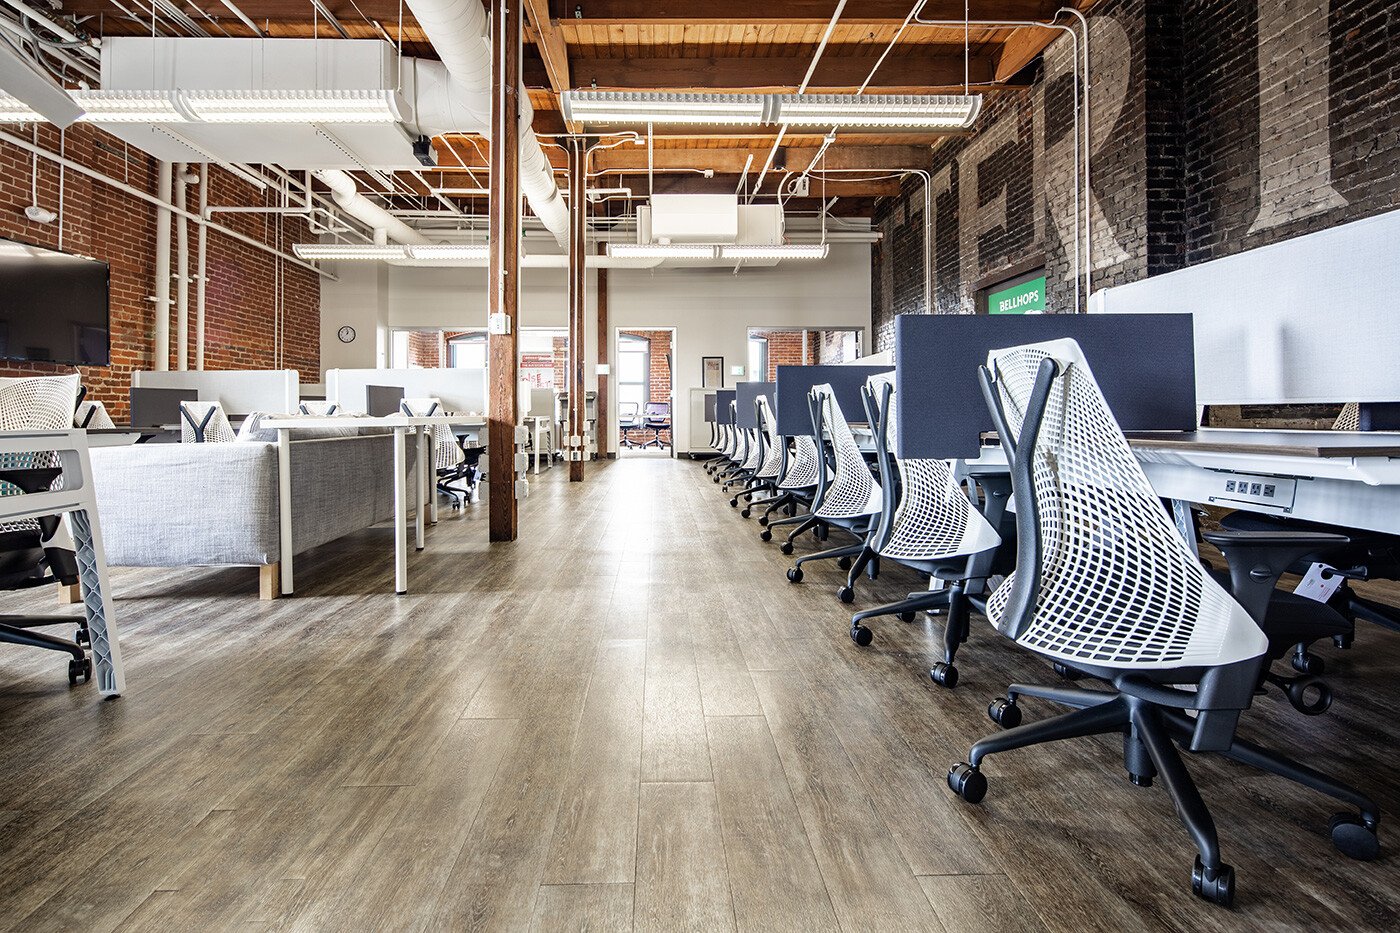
(712, 372)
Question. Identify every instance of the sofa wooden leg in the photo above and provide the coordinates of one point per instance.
(69, 594)
(269, 581)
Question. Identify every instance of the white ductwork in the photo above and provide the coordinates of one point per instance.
(456, 29)
(347, 195)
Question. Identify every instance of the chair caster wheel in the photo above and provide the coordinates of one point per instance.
(945, 675)
(906, 617)
(734, 503)
(846, 594)
(785, 547)
(1305, 663)
(1342, 641)
(1004, 713)
(844, 563)
(1066, 672)
(967, 782)
(1218, 890)
(765, 535)
(79, 670)
(861, 635)
(795, 575)
(746, 513)
(82, 636)
(1353, 838)
(1298, 689)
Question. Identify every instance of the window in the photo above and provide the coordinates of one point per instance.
(633, 371)
(467, 351)
(758, 359)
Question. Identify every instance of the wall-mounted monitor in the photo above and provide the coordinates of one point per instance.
(54, 307)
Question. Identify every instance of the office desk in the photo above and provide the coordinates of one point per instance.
(1338, 477)
(422, 478)
(75, 501)
(121, 436)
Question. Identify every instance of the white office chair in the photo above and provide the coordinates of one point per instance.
(1105, 585)
(851, 499)
(205, 423)
(769, 457)
(319, 407)
(455, 479)
(92, 415)
(929, 525)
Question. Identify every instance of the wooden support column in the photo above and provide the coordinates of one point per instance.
(503, 298)
(604, 343)
(578, 304)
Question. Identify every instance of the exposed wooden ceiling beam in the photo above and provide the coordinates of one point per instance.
(384, 10)
(550, 43)
(1027, 43)
(939, 70)
(790, 11)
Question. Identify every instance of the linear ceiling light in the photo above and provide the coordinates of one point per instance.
(130, 106)
(449, 251)
(895, 111)
(661, 250)
(325, 106)
(14, 110)
(657, 107)
(349, 251)
(780, 251)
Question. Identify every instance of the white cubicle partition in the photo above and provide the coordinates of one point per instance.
(276, 391)
(461, 390)
(1311, 319)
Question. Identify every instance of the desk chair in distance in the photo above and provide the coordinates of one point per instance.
(92, 415)
(456, 478)
(732, 454)
(743, 452)
(722, 444)
(770, 461)
(797, 485)
(929, 524)
(38, 551)
(748, 467)
(656, 417)
(628, 420)
(319, 407)
(851, 499)
(1105, 585)
(205, 423)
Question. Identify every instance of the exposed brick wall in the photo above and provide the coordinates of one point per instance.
(785, 349)
(426, 349)
(118, 228)
(1210, 136)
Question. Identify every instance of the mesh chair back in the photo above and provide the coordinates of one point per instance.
(933, 519)
(205, 423)
(1349, 419)
(38, 403)
(447, 453)
(1103, 578)
(803, 464)
(852, 492)
(772, 444)
(753, 451)
(92, 415)
(318, 407)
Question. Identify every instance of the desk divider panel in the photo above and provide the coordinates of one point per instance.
(241, 391)
(722, 399)
(1145, 364)
(845, 379)
(745, 394)
(711, 403)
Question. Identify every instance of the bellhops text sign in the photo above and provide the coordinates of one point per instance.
(1026, 298)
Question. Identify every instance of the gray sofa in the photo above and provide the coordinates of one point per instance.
(182, 505)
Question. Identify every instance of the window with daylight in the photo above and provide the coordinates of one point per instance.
(633, 370)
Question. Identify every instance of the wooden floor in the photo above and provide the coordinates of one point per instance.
(628, 719)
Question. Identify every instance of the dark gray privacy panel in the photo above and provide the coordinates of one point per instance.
(722, 399)
(794, 382)
(1145, 364)
(745, 393)
(710, 407)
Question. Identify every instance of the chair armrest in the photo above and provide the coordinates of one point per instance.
(1258, 558)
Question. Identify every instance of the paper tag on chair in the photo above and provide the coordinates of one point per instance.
(1319, 583)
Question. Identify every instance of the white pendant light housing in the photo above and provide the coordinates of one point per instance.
(654, 107)
(886, 111)
(468, 251)
(662, 250)
(778, 251)
(889, 111)
(274, 106)
(130, 106)
(361, 252)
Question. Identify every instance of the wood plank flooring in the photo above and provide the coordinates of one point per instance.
(628, 719)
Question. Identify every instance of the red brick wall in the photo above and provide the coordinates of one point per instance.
(785, 349)
(118, 228)
(425, 349)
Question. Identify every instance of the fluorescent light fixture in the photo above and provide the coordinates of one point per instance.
(14, 110)
(362, 252)
(274, 106)
(662, 250)
(780, 251)
(449, 251)
(659, 107)
(131, 106)
(30, 95)
(895, 111)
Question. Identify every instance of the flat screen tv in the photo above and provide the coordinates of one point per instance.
(53, 306)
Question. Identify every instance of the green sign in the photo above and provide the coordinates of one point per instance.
(1018, 299)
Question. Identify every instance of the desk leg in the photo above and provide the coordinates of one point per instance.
(400, 514)
(97, 604)
(418, 492)
(1184, 517)
(430, 474)
(284, 506)
(537, 448)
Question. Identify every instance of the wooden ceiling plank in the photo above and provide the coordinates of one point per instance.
(942, 70)
(796, 11)
(550, 42)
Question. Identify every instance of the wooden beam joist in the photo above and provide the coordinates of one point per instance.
(635, 12)
(550, 42)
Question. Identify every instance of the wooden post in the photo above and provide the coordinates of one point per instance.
(503, 284)
(604, 342)
(578, 304)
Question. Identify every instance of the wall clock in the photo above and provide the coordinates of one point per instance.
(346, 334)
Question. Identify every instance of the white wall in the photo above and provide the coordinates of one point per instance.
(711, 309)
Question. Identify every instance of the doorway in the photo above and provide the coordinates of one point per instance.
(644, 397)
